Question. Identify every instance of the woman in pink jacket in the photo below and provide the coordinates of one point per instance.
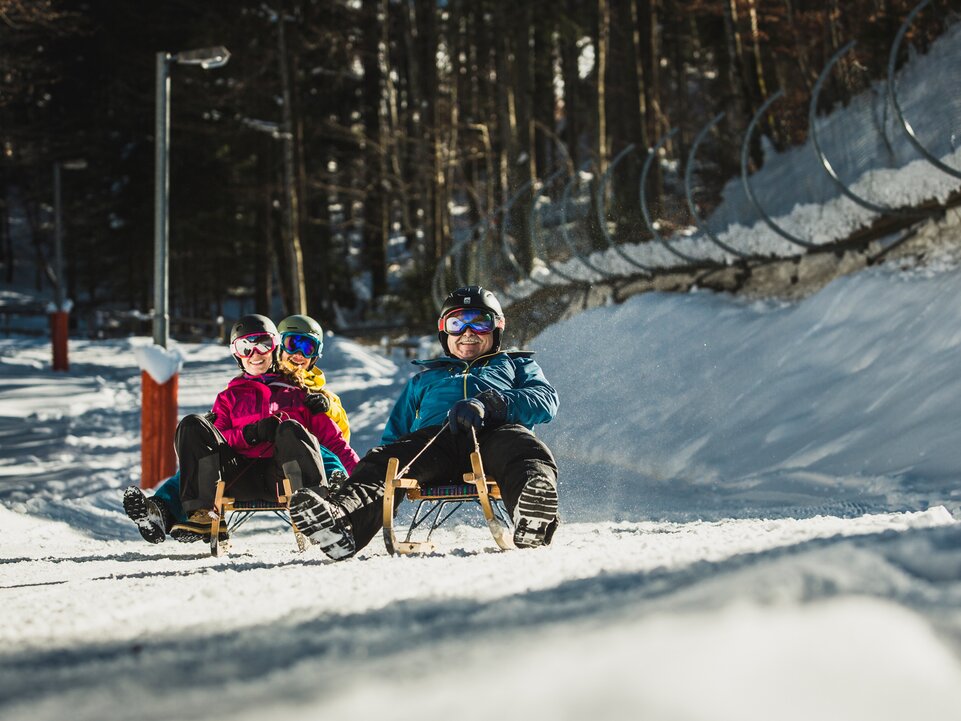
(266, 428)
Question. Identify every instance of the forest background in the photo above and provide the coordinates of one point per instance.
(325, 167)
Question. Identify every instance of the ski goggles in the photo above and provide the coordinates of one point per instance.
(246, 345)
(457, 321)
(307, 345)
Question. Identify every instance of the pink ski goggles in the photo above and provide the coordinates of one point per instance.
(246, 345)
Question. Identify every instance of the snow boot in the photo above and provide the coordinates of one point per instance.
(323, 522)
(535, 516)
(197, 528)
(153, 518)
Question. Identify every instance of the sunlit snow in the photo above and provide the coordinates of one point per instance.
(761, 508)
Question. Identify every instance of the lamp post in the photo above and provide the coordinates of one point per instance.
(158, 414)
(60, 313)
(206, 58)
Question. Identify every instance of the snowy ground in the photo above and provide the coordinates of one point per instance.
(761, 506)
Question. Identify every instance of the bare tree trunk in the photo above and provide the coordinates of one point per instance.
(428, 33)
(264, 243)
(415, 151)
(626, 103)
(472, 40)
(507, 117)
(486, 119)
(295, 256)
(456, 38)
(603, 45)
(393, 136)
(569, 73)
(756, 46)
(7, 256)
(439, 134)
(649, 77)
(376, 216)
(543, 62)
(735, 64)
(800, 54)
(523, 163)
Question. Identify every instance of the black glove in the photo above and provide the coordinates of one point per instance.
(210, 416)
(317, 403)
(263, 431)
(495, 407)
(487, 410)
(465, 415)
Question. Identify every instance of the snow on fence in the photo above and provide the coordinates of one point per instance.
(891, 158)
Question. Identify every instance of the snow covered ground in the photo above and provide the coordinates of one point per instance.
(761, 506)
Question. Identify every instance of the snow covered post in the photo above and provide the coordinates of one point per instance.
(158, 412)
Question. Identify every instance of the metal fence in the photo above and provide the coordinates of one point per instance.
(913, 116)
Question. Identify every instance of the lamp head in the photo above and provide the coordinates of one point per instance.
(206, 58)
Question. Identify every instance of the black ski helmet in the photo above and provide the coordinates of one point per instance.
(472, 296)
(250, 324)
(307, 326)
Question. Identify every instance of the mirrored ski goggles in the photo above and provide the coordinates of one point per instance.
(307, 345)
(246, 345)
(459, 320)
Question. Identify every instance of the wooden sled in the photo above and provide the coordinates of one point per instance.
(235, 513)
(435, 504)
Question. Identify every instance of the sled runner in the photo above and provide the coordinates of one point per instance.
(437, 503)
(235, 513)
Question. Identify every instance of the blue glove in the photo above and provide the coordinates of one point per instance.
(465, 415)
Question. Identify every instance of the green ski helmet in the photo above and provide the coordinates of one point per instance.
(249, 325)
(302, 325)
(472, 296)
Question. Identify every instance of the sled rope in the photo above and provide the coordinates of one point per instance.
(400, 473)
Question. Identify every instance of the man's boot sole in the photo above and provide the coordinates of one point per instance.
(536, 514)
(311, 516)
(135, 505)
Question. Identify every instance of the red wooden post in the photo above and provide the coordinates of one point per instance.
(59, 327)
(158, 420)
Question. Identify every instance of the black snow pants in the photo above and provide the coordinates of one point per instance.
(510, 453)
(206, 458)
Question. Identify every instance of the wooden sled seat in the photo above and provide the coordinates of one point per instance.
(453, 491)
(236, 513)
(437, 503)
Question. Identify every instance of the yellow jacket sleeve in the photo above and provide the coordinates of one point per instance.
(315, 382)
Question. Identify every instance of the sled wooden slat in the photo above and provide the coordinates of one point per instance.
(217, 514)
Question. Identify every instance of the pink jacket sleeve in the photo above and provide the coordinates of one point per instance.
(232, 427)
(223, 407)
(329, 436)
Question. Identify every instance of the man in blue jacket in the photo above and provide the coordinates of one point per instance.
(500, 395)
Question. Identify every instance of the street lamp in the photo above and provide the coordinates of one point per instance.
(74, 164)
(206, 58)
(59, 315)
(158, 409)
